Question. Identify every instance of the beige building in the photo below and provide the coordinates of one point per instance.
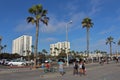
(56, 48)
(22, 45)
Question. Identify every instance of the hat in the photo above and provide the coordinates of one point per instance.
(46, 61)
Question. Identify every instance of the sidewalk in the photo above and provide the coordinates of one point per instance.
(93, 73)
(69, 71)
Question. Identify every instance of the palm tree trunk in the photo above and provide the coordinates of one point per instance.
(88, 42)
(110, 49)
(36, 44)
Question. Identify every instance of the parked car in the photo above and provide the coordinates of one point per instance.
(17, 63)
(4, 61)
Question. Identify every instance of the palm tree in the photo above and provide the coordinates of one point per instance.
(56, 51)
(87, 22)
(119, 42)
(4, 47)
(38, 15)
(32, 46)
(97, 52)
(109, 41)
(118, 45)
(44, 51)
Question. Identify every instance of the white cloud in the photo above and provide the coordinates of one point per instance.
(96, 7)
(49, 39)
(71, 6)
(23, 27)
(54, 26)
(109, 30)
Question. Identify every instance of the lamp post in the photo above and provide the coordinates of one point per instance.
(67, 41)
(0, 43)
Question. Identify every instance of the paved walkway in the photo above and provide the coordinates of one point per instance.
(105, 72)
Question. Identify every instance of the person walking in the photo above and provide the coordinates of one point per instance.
(61, 69)
(80, 68)
(84, 68)
(75, 70)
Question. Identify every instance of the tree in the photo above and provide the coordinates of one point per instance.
(109, 41)
(118, 45)
(38, 15)
(87, 23)
(97, 52)
(28, 54)
(4, 47)
(119, 42)
(32, 46)
(56, 51)
(44, 51)
(62, 55)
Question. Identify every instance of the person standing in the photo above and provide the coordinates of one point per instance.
(61, 69)
(75, 70)
(80, 68)
(83, 68)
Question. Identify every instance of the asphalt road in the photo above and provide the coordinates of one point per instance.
(94, 72)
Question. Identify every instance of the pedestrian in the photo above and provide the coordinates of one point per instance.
(75, 68)
(80, 68)
(84, 68)
(61, 69)
(47, 66)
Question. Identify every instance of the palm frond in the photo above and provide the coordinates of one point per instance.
(45, 20)
(87, 22)
(110, 40)
(30, 19)
(44, 12)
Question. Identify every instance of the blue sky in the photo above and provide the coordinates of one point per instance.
(105, 15)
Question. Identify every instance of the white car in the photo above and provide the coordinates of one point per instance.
(16, 63)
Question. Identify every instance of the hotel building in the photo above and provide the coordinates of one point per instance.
(56, 48)
(22, 45)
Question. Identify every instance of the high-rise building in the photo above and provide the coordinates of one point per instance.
(22, 45)
(56, 48)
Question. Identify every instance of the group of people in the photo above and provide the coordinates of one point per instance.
(79, 68)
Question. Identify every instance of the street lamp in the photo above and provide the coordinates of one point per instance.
(67, 40)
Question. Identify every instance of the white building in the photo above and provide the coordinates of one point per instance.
(56, 48)
(22, 45)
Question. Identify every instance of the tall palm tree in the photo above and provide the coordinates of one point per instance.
(109, 41)
(87, 23)
(38, 15)
(32, 46)
(44, 51)
(119, 42)
(4, 47)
